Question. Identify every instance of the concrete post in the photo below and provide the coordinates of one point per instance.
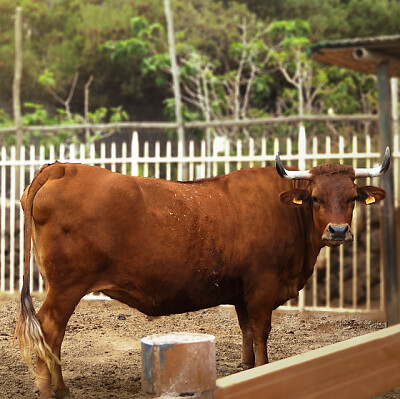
(179, 364)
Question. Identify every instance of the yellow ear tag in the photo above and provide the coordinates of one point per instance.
(297, 201)
(370, 200)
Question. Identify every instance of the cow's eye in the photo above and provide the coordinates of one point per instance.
(315, 200)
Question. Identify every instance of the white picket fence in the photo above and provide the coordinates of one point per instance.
(349, 278)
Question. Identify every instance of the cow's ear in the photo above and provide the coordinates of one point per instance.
(370, 194)
(295, 196)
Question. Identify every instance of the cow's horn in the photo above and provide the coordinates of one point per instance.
(290, 174)
(374, 172)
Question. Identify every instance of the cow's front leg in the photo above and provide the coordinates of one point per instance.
(259, 308)
(247, 336)
(261, 330)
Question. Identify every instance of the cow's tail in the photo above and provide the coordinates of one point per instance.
(28, 331)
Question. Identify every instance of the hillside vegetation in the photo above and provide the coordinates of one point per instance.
(238, 59)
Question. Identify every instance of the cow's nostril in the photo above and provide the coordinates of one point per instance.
(338, 231)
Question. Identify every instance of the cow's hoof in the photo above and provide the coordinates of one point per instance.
(46, 396)
(244, 366)
(42, 395)
(61, 393)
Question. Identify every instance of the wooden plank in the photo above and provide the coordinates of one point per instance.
(357, 368)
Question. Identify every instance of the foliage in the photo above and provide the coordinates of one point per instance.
(208, 92)
(37, 115)
(332, 19)
(139, 45)
(238, 59)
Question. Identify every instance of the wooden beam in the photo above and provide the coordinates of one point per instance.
(388, 229)
(357, 368)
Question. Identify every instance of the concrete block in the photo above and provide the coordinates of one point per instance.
(179, 364)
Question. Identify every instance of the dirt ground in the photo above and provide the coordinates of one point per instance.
(101, 350)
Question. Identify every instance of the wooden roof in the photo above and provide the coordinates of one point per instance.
(342, 53)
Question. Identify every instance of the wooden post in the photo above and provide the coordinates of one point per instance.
(86, 110)
(388, 219)
(17, 90)
(179, 364)
(175, 78)
(395, 104)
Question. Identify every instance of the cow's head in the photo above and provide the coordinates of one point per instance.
(332, 193)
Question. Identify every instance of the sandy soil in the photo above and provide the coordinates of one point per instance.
(101, 350)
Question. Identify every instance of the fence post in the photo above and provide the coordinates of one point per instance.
(302, 166)
(135, 154)
(181, 154)
(302, 147)
(3, 222)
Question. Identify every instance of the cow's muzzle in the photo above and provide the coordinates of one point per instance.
(337, 234)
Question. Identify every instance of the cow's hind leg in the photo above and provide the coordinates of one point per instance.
(53, 317)
(247, 336)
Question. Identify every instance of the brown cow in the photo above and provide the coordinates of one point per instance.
(249, 238)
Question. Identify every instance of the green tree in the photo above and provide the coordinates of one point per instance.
(332, 19)
(210, 90)
(298, 70)
(63, 38)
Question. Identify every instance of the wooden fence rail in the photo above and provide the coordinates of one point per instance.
(359, 368)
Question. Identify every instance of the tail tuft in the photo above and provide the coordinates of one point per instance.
(31, 340)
